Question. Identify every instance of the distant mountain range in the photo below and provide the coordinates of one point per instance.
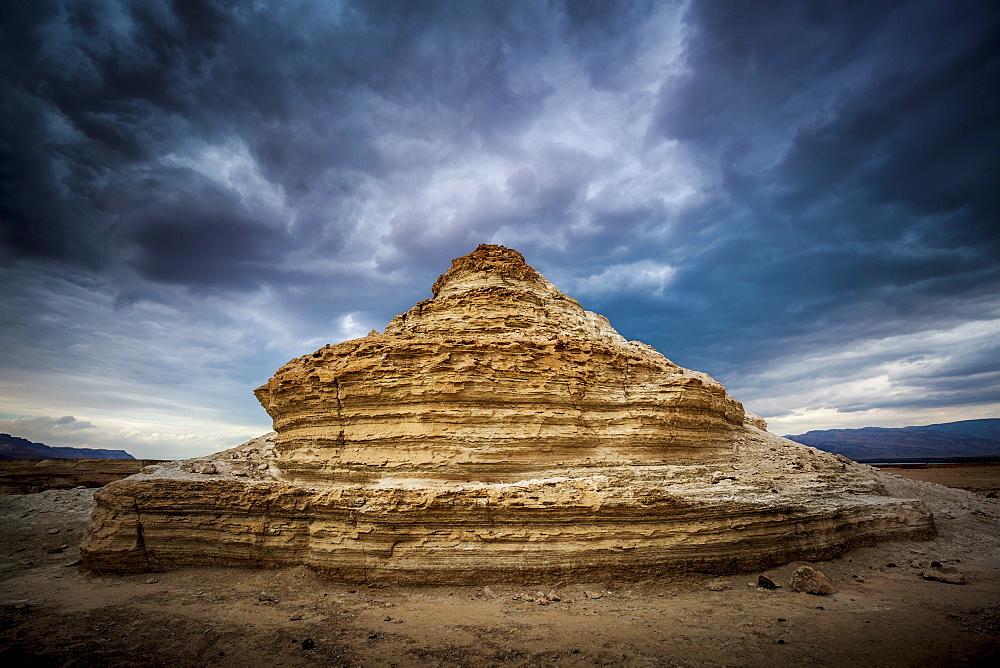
(968, 438)
(14, 447)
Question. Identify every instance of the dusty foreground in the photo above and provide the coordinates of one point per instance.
(884, 613)
(980, 478)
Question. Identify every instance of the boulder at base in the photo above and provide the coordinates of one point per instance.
(810, 581)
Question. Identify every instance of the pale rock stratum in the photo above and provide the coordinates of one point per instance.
(497, 432)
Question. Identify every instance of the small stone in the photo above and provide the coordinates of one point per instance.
(296, 617)
(860, 578)
(308, 643)
(915, 564)
(781, 642)
(765, 582)
(719, 585)
(262, 467)
(946, 575)
(265, 598)
(553, 596)
(891, 565)
(151, 581)
(205, 468)
(73, 563)
(807, 579)
(488, 593)
(53, 532)
(593, 595)
(936, 564)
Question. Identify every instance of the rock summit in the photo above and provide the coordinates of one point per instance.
(497, 432)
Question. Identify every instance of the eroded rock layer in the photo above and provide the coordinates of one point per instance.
(30, 476)
(497, 432)
(498, 375)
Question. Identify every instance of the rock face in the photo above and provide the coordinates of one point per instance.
(499, 432)
(498, 376)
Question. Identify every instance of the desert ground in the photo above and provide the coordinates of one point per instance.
(54, 613)
(980, 478)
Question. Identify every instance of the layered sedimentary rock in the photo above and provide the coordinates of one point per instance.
(497, 431)
(498, 376)
(30, 476)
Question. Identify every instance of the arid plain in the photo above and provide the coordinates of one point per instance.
(54, 613)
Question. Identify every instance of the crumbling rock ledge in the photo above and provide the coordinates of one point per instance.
(30, 476)
(497, 432)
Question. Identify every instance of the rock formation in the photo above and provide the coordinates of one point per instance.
(497, 431)
(30, 476)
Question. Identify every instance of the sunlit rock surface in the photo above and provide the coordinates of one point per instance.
(497, 431)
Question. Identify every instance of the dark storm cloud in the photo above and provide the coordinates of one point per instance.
(848, 142)
(603, 33)
(100, 92)
(189, 242)
(784, 194)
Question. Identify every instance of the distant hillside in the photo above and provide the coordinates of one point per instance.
(13, 447)
(968, 438)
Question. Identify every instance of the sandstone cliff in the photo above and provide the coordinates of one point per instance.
(497, 431)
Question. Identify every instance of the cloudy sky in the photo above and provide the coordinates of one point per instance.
(800, 199)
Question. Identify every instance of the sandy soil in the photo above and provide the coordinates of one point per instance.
(53, 613)
(980, 478)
